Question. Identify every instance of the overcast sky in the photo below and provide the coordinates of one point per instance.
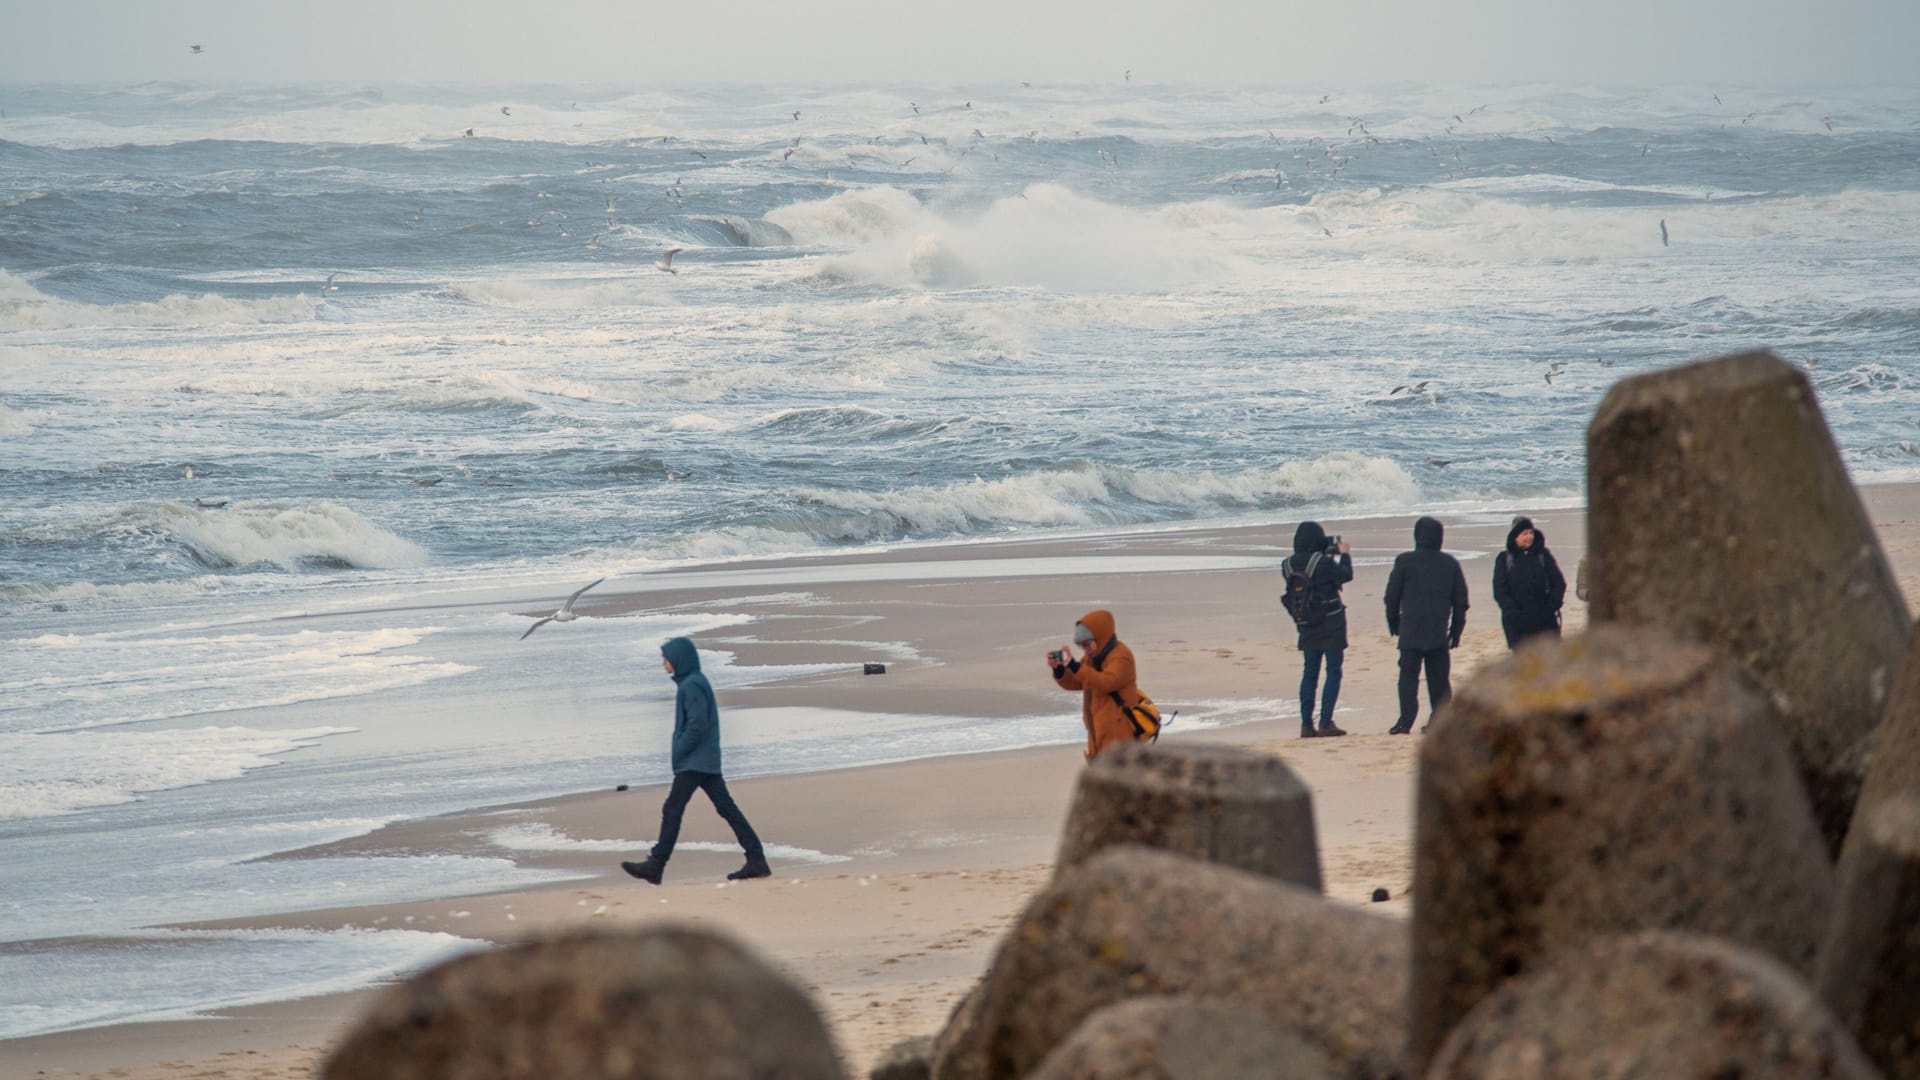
(1282, 42)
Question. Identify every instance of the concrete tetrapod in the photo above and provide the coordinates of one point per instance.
(668, 1003)
(1219, 804)
(1870, 969)
(1652, 1005)
(908, 1059)
(1173, 1038)
(1623, 780)
(1688, 471)
(1133, 921)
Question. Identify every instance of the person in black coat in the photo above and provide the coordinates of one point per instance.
(1528, 585)
(1324, 638)
(1427, 611)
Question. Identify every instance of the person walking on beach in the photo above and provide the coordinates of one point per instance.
(1326, 565)
(1528, 585)
(1104, 675)
(1427, 611)
(696, 767)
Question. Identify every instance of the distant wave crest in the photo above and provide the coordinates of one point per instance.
(23, 307)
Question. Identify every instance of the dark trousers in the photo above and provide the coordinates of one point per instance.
(1310, 681)
(684, 785)
(1439, 665)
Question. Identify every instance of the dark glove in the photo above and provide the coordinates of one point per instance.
(1453, 642)
(1393, 629)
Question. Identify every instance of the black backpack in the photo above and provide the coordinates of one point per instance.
(1297, 597)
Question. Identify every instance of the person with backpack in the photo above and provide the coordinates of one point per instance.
(1528, 585)
(1427, 610)
(1104, 675)
(696, 767)
(1314, 573)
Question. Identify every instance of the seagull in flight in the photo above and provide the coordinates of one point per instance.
(565, 614)
(796, 114)
(915, 107)
(195, 50)
(504, 111)
(1827, 120)
(698, 154)
(1553, 369)
(330, 286)
(666, 263)
(1663, 233)
(1413, 388)
(1717, 101)
(1439, 463)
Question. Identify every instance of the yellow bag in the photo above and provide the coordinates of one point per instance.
(1144, 716)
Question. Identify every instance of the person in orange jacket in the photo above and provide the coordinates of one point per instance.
(1104, 676)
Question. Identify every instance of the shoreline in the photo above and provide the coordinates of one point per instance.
(939, 851)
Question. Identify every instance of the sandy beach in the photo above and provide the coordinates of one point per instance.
(911, 870)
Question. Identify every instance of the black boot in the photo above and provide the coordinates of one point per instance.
(648, 871)
(1306, 729)
(1328, 730)
(756, 867)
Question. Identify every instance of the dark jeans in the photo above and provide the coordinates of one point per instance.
(1439, 665)
(1310, 681)
(684, 785)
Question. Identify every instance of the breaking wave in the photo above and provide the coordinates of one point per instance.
(1084, 496)
(313, 535)
(23, 307)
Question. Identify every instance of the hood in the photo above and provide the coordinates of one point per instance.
(1428, 533)
(1101, 623)
(1309, 538)
(1520, 525)
(682, 655)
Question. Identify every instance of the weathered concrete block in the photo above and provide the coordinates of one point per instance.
(908, 1059)
(1219, 804)
(1652, 1005)
(1624, 780)
(1688, 473)
(668, 1003)
(1132, 921)
(1870, 968)
(1894, 766)
(1173, 1038)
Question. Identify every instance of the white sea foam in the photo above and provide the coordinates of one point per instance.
(19, 423)
(565, 295)
(48, 773)
(1050, 236)
(189, 973)
(543, 837)
(697, 422)
(72, 681)
(23, 307)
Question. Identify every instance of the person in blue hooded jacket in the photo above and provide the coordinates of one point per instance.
(696, 767)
